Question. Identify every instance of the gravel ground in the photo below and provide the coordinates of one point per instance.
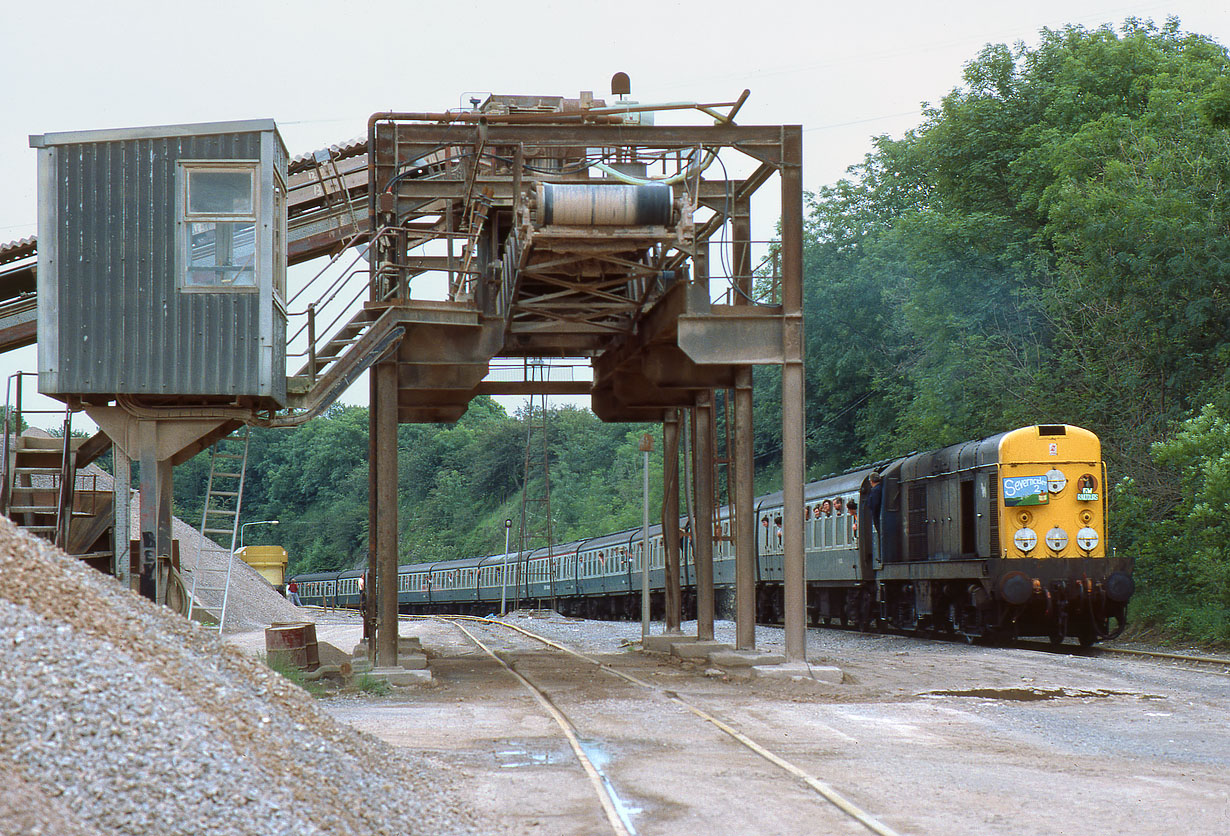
(932, 737)
(119, 717)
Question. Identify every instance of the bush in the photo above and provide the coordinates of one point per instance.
(1183, 559)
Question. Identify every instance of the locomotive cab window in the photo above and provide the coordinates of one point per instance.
(219, 238)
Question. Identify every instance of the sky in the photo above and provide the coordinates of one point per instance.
(846, 72)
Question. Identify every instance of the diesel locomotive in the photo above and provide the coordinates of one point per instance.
(999, 538)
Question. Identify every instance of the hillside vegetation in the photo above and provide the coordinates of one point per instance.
(1050, 244)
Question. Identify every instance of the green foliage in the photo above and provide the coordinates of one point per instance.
(372, 685)
(1183, 559)
(456, 484)
(281, 664)
(1050, 244)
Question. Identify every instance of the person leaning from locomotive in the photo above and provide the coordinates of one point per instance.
(875, 499)
(874, 487)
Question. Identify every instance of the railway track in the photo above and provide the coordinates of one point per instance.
(1214, 662)
(613, 807)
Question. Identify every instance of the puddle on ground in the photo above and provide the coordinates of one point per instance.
(1030, 694)
(512, 755)
(599, 757)
(516, 754)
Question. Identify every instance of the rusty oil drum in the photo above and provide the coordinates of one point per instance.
(294, 642)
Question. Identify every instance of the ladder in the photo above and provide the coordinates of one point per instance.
(228, 465)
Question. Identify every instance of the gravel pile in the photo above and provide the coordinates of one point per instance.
(251, 604)
(117, 716)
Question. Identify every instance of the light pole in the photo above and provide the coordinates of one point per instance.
(504, 570)
(258, 522)
(646, 446)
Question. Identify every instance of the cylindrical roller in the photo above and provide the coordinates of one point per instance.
(615, 204)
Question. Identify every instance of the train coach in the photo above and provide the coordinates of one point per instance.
(996, 538)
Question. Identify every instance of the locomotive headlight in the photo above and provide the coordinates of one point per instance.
(1057, 539)
(1055, 481)
(1087, 539)
(1025, 539)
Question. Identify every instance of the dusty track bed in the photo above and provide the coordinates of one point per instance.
(929, 737)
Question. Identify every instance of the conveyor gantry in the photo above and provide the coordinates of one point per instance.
(518, 204)
(493, 201)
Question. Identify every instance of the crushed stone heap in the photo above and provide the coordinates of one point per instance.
(117, 716)
(251, 603)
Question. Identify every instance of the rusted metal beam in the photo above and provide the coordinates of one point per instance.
(702, 534)
(610, 408)
(745, 514)
(793, 399)
(93, 447)
(667, 365)
(761, 138)
(670, 517)
(522, 387)
(657, 324)
(447, 414)
(739, 334)
(384, 523)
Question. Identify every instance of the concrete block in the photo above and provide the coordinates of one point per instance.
(406, 658)
(412, 661)
(400, 676)
(331, 655)
(744, 658)
(664, 642)
(328, 672)
(697, 649)
(827, 674)
(406, 645)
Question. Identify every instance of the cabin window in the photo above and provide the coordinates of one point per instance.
(218, 226)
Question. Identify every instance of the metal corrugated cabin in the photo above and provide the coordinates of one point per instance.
(162, 263)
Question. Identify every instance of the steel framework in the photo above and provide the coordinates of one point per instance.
(462, 194)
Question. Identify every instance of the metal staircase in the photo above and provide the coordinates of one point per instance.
(41, 489)
(228, 466)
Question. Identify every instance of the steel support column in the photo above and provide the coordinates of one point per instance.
(121, 533)
(793, 446)
(155, 554)
(385, 524)
(743, 465)
(154, 443)
(670, 517)
(745, 514)
(741, 249)
(702, 534)
(367, 595)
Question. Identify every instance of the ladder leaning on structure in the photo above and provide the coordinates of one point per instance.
(228, 466)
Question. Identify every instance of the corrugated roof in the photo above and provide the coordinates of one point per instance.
(19, 249)
(349, 148)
